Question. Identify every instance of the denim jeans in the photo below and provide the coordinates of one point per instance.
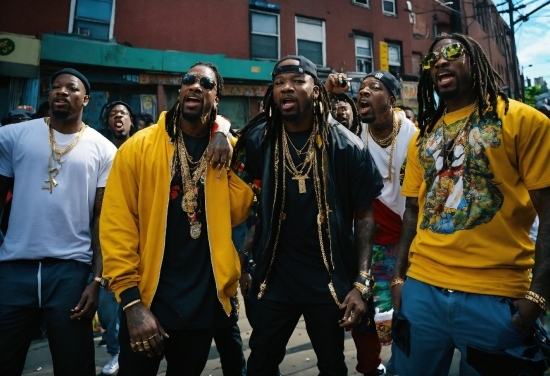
(442, 320)
(108, 311)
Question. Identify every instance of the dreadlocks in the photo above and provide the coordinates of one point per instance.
(104, 116)
(272, 117)
(485, 80)
(173, 116)
(355, 126)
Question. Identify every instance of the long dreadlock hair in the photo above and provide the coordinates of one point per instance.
(355, 126)
(485, 80)
(104, 117)
(173, 115)
(271, 115)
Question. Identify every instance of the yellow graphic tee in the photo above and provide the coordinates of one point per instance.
(472, 178)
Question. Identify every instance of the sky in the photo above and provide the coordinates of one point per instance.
(532, 38)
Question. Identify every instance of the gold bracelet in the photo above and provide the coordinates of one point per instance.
(396, 281)
(537, 299)
(133, 302)
(366, 275)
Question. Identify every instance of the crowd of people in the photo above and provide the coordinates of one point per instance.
(352, 207)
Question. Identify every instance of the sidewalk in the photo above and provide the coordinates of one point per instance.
(300, 359)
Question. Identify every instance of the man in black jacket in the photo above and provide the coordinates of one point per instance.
(315, 236)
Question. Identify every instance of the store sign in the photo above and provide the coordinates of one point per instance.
(19, 49)
(6, 46)
(384, 58)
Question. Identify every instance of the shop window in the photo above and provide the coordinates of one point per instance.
(310, 39)
(264, 36)
(93, 18)
(363, 54)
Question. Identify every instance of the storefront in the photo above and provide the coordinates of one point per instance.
(19, 70)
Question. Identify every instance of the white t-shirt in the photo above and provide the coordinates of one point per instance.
(391, 192)
(57, 224)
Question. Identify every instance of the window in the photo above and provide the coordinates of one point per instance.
(92, 18)
(394, 59)
(363, 3)
(388, 7)
(264, 36)
(363, 54)
(478, 14)
(310, 39)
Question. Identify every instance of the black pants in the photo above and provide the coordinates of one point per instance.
(186, 352)
(33, 291)
(273, 324)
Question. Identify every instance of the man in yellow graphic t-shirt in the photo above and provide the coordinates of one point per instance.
(476, 177)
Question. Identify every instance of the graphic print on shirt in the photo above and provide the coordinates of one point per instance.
(461, 192)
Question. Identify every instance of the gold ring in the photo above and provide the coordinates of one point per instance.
(146, 347)
(140, 349)
(132, 344)
(138, 343)
(154, 335)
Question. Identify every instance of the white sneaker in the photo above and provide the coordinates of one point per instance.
(112, 366)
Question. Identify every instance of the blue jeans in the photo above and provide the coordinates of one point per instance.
(441, 320)
(108, 312)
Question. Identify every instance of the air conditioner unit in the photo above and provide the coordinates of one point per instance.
(83, 31)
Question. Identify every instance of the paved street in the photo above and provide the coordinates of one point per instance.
(300, 359)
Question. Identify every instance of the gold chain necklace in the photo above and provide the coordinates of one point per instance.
(56, 154)
(391, 140)
(189, 202)
(321, 217)
(446, 149)
(299, 173)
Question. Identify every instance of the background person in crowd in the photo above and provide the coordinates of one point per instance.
(43, 110)
(474, 181)
(18, 115)
(409, 113)
(176, 269)
(58, 168)
(300, 270)
(117, 120)
(145, 120)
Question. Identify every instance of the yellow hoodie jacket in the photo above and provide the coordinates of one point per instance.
(133, 217)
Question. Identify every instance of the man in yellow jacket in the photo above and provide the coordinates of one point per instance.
(166, 235)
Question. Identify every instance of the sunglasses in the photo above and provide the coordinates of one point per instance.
(450, 52)
(204, 81)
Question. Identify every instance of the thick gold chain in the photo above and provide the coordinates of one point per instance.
(59, 152)
(391, 140)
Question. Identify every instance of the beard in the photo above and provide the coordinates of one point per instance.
(192, 117)
(299, 111)
(62, 115)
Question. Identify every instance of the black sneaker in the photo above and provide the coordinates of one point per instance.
(380, 371)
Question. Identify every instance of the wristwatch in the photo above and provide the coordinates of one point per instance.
(366, 291)
(103, 282)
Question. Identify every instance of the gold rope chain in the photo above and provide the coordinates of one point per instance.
(57, 153)
(396, 126)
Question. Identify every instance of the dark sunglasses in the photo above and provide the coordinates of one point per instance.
(205, 81)
(450, 52)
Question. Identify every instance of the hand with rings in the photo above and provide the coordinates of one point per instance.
(146, 333)
(337, 83)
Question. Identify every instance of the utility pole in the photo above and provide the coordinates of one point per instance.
(514, 54)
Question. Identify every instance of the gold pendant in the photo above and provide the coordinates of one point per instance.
(301, 182)
(195, 229)
(189, 201)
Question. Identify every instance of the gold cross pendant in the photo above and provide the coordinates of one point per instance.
(52, 183)
(301, 182)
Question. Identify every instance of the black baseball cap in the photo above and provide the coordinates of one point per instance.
(388, 79)
(305, 66)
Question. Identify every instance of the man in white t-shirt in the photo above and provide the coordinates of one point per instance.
(57, 168)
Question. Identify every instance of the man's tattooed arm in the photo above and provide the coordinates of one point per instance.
(364, 227)
(408, 232)
(97, 260)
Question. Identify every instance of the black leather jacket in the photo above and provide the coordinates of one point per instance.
(349, 174)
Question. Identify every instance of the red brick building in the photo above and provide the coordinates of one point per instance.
(135, 50)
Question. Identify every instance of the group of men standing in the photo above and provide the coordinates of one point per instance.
(432, 223)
